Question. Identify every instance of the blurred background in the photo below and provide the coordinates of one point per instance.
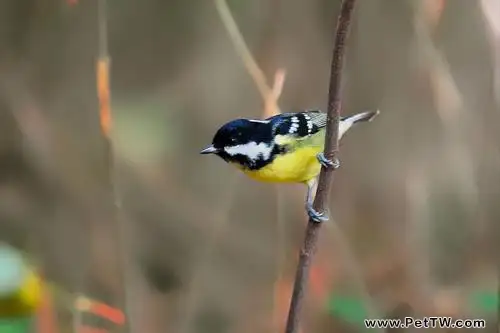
(187, 244)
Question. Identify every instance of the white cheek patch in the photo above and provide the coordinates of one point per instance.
(251, 150)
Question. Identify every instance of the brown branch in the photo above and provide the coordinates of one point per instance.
(242, 49)
(326, 175)
(106, 120)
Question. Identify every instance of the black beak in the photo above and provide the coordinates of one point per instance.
(209, 150)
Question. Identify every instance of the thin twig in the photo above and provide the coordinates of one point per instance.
(104, 95)
(221, 222)
(326, 175)
(270, 97)
(450, 105)
(242, 49)
(271, 101)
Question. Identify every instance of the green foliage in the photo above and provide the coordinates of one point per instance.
(351, 309)
(21, 325)
(484, 301)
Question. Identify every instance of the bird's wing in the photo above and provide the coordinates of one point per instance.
(299, 124)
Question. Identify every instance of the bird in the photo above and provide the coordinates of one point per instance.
(285, 148)
(20, 285)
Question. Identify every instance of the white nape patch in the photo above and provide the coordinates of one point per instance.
(294, 127)
(252, 150)
(309, 125)
(259, 121)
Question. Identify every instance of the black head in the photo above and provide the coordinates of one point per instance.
(236, 132)
(241, 140)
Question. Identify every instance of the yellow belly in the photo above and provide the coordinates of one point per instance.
(297, 167)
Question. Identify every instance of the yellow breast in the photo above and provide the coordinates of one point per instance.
(298, 166)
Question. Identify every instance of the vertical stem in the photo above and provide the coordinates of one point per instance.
(326, 175)
(104, 95)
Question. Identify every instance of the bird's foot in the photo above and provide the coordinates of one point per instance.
(335, 163)
(315, 215)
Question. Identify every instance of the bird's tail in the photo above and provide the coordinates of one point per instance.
(347, 122)
(363, 116)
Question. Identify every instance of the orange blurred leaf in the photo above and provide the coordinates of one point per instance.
(101, 309)
(103, 94)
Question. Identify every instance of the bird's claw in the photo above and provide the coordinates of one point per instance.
(316, 216)
(335, 163)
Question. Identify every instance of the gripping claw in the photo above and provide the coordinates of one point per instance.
(316, 216)
(335, 164)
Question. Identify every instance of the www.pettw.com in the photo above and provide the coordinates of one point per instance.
(425, 322)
